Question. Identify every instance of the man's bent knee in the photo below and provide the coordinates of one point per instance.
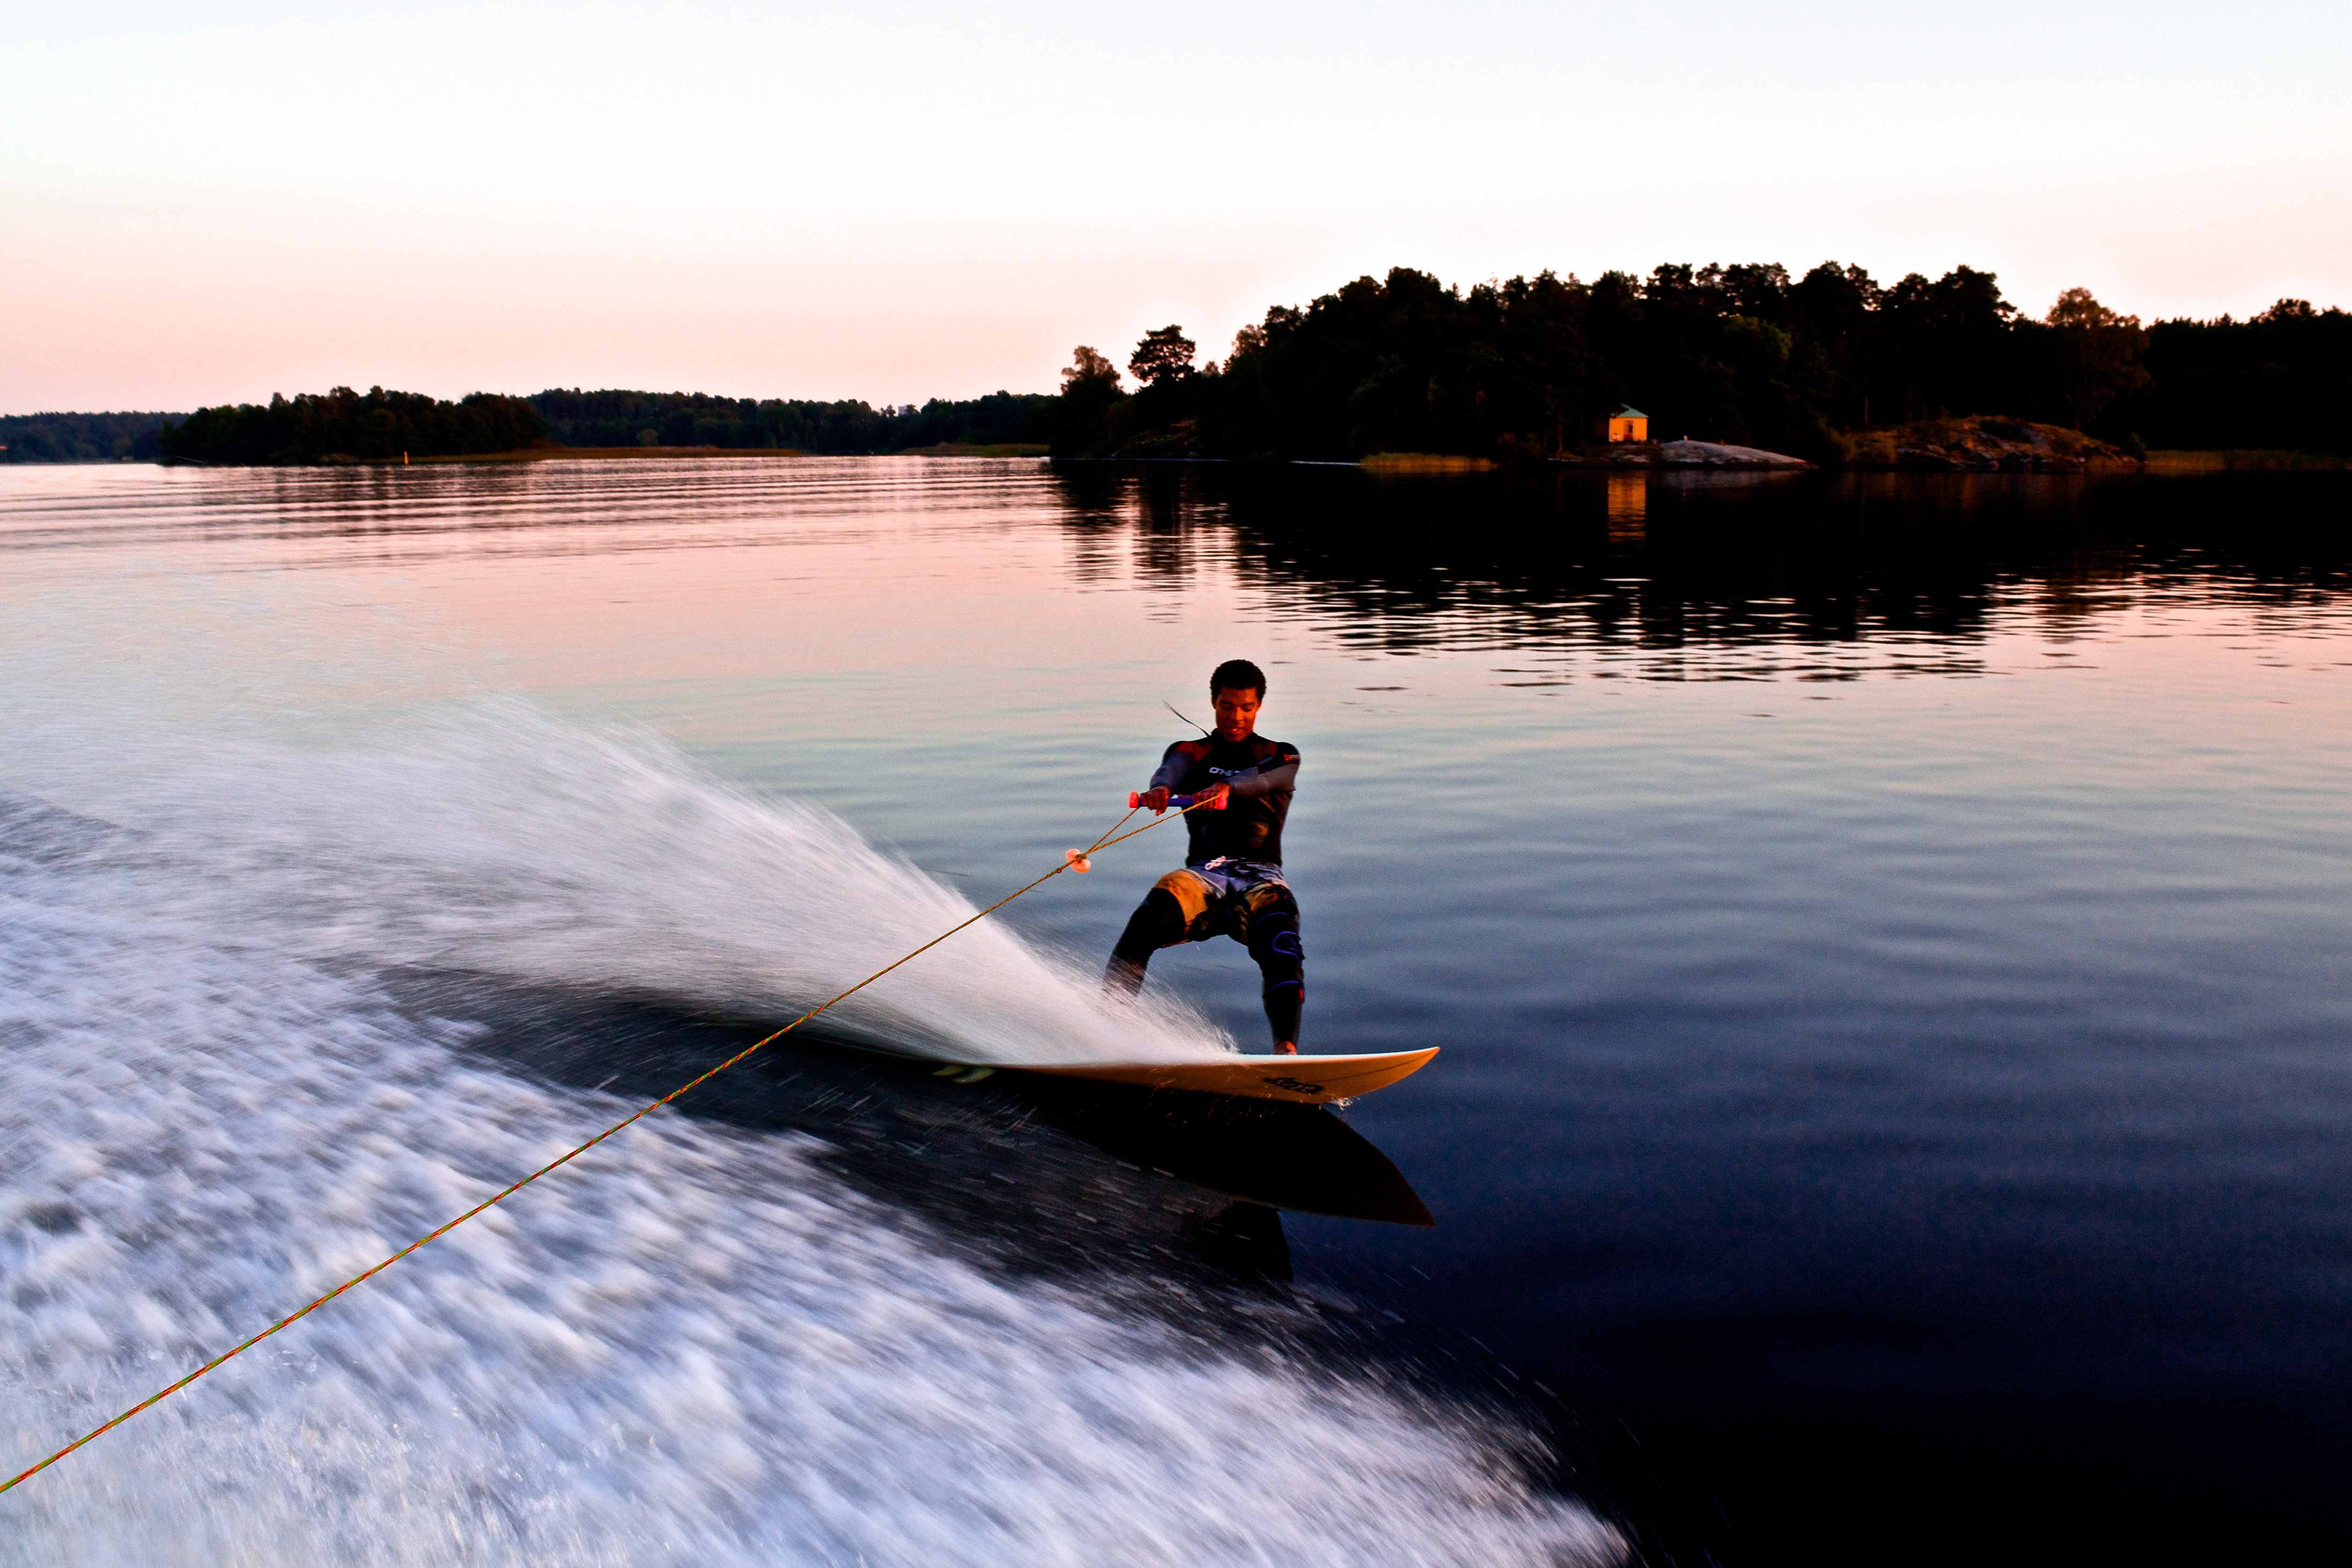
(1188, 892)
(1274, 943)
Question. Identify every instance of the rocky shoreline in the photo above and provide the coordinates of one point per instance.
(1974, 444)
(1685, 454)
(1983, 444)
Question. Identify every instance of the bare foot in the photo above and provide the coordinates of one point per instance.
(1285, 1047)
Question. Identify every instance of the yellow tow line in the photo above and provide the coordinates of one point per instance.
(1074, 860)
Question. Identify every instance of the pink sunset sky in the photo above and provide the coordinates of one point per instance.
(899, 201)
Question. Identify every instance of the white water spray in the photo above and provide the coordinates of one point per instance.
(497, 840)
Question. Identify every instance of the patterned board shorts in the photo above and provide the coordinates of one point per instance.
(1220, 896)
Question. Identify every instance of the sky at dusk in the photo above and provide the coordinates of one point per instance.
(899, 201)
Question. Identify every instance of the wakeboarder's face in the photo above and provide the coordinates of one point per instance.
(1237, 712)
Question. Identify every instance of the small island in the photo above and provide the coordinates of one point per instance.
(1743, 367)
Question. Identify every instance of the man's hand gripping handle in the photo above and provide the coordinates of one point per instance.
(1213, 798)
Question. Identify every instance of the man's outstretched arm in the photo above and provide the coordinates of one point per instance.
(1267, 781)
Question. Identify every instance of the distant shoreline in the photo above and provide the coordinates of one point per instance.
(2226, 460)
(608, 454)
(549, 454)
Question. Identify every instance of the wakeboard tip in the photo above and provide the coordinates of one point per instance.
(1298, 1079)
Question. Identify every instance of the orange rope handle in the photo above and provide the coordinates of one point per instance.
(564, 1159)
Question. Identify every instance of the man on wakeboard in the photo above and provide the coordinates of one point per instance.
(1232, 882)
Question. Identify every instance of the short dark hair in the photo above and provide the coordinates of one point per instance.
(1236, 673)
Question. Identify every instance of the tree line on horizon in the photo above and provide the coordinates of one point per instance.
(375, 424)
(577, 418)
(1745, 355)
(380, 425)
(1525, 367)
(124, 437)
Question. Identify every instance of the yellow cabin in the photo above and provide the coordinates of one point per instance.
(1628, 424)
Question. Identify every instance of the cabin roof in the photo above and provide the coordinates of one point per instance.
(1629, 412)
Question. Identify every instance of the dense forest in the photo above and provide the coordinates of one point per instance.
(375, 424)
(81, 438)
(1745, 355)
(579, 419)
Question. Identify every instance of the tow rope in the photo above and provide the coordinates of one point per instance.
(1072, 860)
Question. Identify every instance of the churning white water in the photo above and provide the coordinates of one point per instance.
(694, 1345)
(496, 840)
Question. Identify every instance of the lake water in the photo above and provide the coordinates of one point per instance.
(1888, 939)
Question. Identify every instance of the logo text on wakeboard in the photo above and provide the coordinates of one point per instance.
(1296, 1086)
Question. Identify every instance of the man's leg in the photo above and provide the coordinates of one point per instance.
(1274, 943)
(1157, 922)
(1164, 918)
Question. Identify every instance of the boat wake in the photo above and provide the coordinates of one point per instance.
(698, 1345)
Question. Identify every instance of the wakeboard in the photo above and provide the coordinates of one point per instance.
(1302, 1079)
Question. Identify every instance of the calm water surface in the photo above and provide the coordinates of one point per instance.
(1888, 940)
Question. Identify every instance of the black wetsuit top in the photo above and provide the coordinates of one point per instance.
(1262, 774)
